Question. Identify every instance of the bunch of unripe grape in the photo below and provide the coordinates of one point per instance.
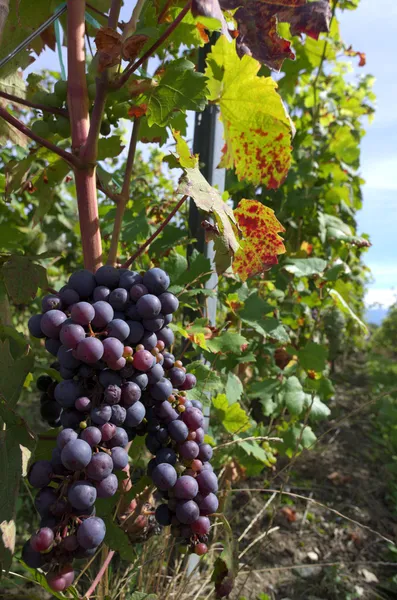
(109, 333)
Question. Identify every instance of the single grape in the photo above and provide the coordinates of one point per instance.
(43, 383)
(56, 462)
(156, 280)
(82, 495)
(101, 414)
(169, 360)
(201, 549)
(152, 443)
(178, 431)
(113, 349)
(92, 435)
(118, 329)
(167, 319)
(137, 291)
(65, 436)
(71, 418)
(52, 346)
(120, 438)
(66, 373)
(161, 390)
(50, 411)
(107, 430)
(167, 336)
(127, 371)
(112, 394)
(31, 558)
(169, 303)
(68, 296)
(190, 382)
(193, 417)
(118, 364)
(118, 298)
(118, 415)
(108, 276)
(166, 455)
(136, 331)
(207, 482)
(199, 435)
(90, 350)
(141, 380)
(82, 313)
(44, 500)
(66, 359)
(83, 282)
(135, 414)
(187, 511)
(108, 377)
(91, 533)
(143, 360)
(177, 376)
(197, 404)
(188, 450)
(128, 279)
(34, 326)
(70, 543)
(163, 515)
(76, 455)
(51, 323)
(40, 474)
(201, 526)
(71, 334)
(165, 412)
(119, 458)
(101, 293)
(83, 404)
(107, 487)
(51, 302)
(149, 340)
(101, 466)
(164, 476)
(205, 452)
(148, 306)
(156, 373)
(67, 392)
(131, 312)
(153, 325)
(162, 435)
(130, 393)
(104, 313)
(186, 488)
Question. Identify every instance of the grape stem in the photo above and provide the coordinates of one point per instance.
(155, 234)
(17, 100)
(134, 66)
(124, 195)
(100, 574)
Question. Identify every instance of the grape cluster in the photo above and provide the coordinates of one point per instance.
(109, 333)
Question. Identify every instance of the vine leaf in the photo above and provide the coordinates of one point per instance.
(257, 26)
(210, 8)
(22, 277)
(261, 243)
(209, 200)
(258, 129)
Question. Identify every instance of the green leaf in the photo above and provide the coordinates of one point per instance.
(180, 88)
(226, 565)
(199, 269)
(176, 266)
(343, 305)
(22, 278)
(294, 396)
(254, 311)
(12, 375)
(117, 540)
(234, 388)
(313, 357)
(229, 341)
(38, 578)
(233, 418)
(305, 267)
(318, 410)
(109, 147)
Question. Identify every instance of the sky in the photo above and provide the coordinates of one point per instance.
(372, 29)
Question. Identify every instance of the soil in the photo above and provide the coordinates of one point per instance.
(316, 553)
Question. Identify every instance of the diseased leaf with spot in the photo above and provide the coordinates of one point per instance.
(257, 128)
(257, 26)
(261, 243)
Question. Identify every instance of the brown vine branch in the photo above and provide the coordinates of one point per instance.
(133, 67)
(155, 234)
(29, 104)
(100, 574)
(73, 160)
(130, 27)
(105, 190)
(124, 195)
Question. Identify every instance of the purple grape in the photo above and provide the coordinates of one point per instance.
(131, 312)
(76, 455)
(166, 335)
(156, 280)
(207, 467)
(207, 504)
(130, 393)
(155, 374)
(163, 515)
(165, 412)
(169, 303)
(31, 558)
(82, 495)
(118, 329)
(104, 313)
(100, 467)
(52, 346)
(107, 487)
(199, 435)
(108, 377)
(67, 392)
(161, 390)
(136, 332)
(83, 282)
(169, 360)
(82, 313)
(178, 431)
(40, 474)
(65, 436)
(90, 350)
(141, 380)
(118, 415)
(193, 417)
(149, 340)
(113, 349)
(45, 498)
(186, 488)
(107, 430)
(127, 371)
(153, 325)
(91, 435)
(101, 414)
(190, 382)
(68, 296)
(188, 450)
(201, 526)
(187, 512)
(167, 319)
(152, 443)
(205, 452)
(118, 364)
(71, 418)
(177, 376)
(207, 482)
(51, 302)
(112, 394)
(120, 438)
(70, 543)
(197, 404)
(162, 435)
(119, 458)
(135, 414)
(166, 455)
(148, 306)
(137, 291)
(91, 532)
(128, 279)
(66, 359)
(56, 462)
(51, 323)
(108, 276)
(143, 360)
(71, 334)
(50, 411)
(101, 293)
(34, 326)
(83, 404)
(164, 476)
(118, 298)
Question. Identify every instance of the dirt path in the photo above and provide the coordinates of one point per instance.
(345, 473)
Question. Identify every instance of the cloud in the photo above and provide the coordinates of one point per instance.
(384, 297)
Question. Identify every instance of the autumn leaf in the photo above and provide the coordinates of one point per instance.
(261, 243)
(109, 45)
(258, 129)
(210, 8)
(133, 45)
(257, 26)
